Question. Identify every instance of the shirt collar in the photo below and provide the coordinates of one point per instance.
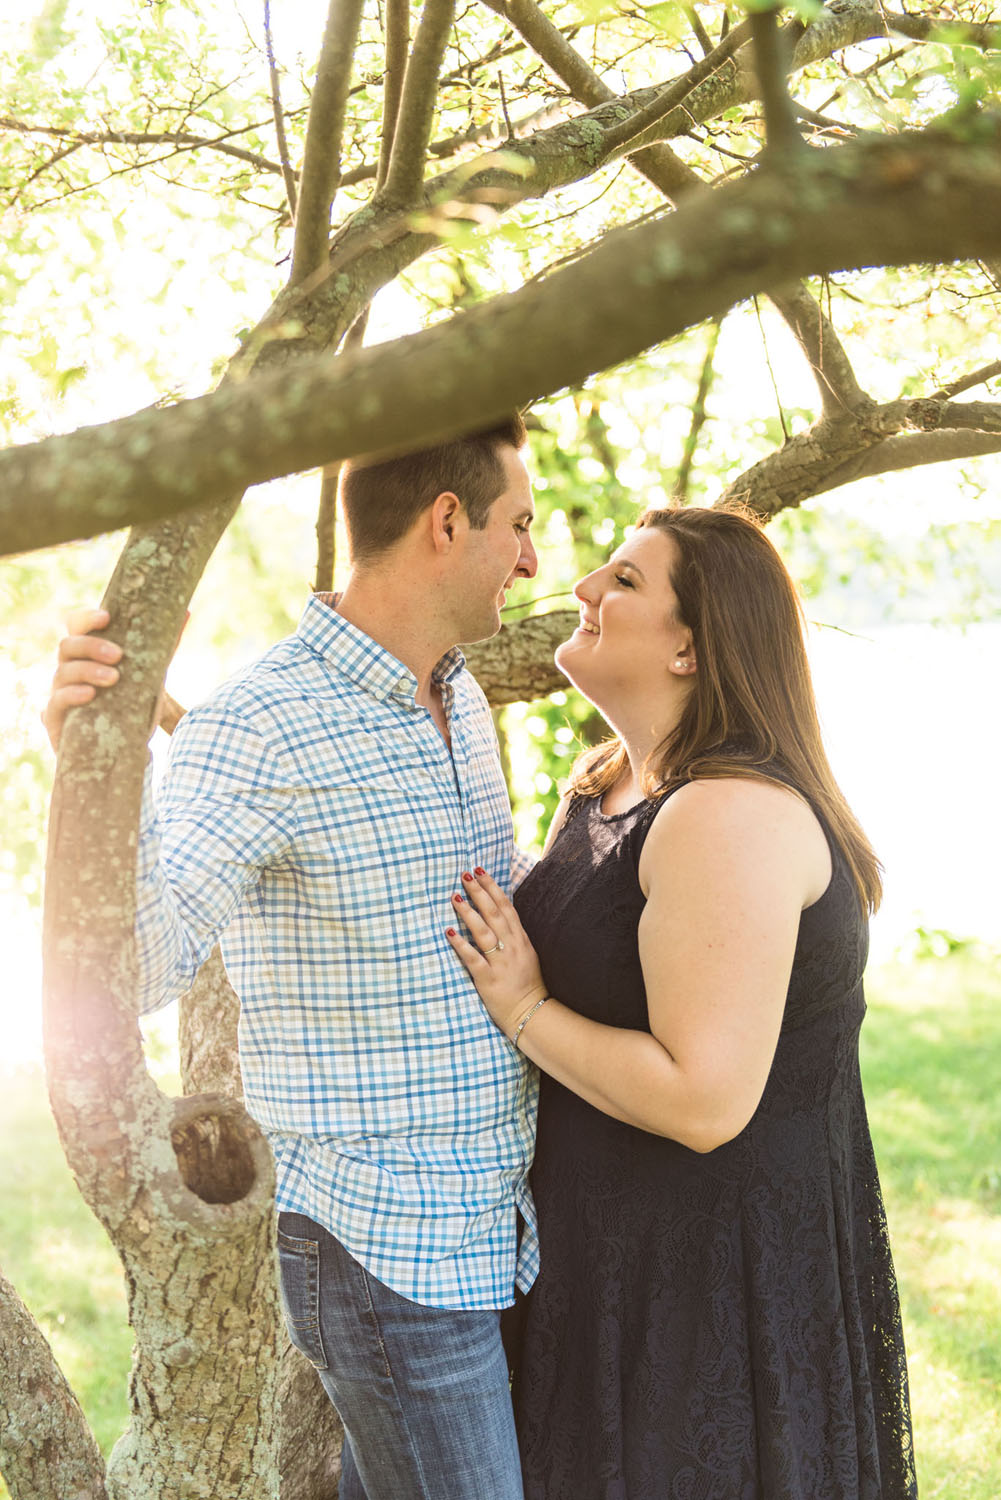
(363, 660)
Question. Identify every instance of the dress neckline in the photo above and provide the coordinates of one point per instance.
(617, 817)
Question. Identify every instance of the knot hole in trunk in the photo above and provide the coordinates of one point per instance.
(211, 1140)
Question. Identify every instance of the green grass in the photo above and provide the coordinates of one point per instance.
(931, 1062)
(932, 1065)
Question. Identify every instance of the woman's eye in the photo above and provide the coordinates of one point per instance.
(624, 580)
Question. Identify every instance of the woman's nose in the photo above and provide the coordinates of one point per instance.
(585, 590)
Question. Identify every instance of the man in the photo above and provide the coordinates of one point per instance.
(321, 807)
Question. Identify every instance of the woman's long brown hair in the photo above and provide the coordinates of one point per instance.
(752, 711)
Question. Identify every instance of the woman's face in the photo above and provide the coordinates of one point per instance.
(630, 637)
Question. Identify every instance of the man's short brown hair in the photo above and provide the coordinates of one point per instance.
(383, 500)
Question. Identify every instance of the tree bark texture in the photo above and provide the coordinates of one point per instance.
(309, 1432)
(47, 1450)
(321, 165)
(203, 1305)
(847, 445)
(207, 1033)
(311, 1435)
(418, 97)
(516, 665)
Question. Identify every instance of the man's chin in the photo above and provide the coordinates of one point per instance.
(482, 631)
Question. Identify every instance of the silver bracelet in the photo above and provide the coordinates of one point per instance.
(526, 1018)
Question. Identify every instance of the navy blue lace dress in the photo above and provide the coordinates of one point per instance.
(721, 1326)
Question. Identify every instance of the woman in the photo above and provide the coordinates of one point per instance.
(716, 1317)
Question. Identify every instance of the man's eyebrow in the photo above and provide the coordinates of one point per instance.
(525, 515)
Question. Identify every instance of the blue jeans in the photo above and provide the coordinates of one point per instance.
(422, 1391)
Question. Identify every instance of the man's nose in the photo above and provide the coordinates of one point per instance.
(528, 562)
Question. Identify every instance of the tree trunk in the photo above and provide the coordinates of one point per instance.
(204, 1306)
(184, 1188)
(207, 1033)
(309, 1431)
(47, 1451)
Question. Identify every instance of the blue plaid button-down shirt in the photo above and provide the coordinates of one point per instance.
(313, 811)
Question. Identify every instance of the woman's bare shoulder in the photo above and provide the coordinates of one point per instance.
(738, 818)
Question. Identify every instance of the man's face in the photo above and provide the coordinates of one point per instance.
(493, 558)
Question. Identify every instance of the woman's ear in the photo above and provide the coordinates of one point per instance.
(682, 663)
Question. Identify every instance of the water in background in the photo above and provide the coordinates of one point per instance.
(911, 716)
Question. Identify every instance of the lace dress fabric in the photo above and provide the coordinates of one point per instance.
(721, 1326)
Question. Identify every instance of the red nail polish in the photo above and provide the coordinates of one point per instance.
(450, 932)
(479, 870)
(457, 899)
(466, 875)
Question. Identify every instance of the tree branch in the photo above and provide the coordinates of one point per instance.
(370, 250)
(911, 198)
(326, 523)
(827, 123)
(288, 175)
(487, 135)
(46, 1445)
(372, 247)
(911, 450)
(78, 138)
(658, 163)
(967, 382)
(670, 98)
(680, 487)
(397, 27)
(417, 103)
(839, 389)
(701, 34)
(553, 48)
(986, 36)
(852, 21)
(771, 62)
(849, 445)
(326, 515)
(171, 713)
(570, 67)
(517, 664)
(205, 1253)
(931, 414)
(321, 165)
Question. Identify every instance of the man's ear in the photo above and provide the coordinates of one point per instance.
(444, 518)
